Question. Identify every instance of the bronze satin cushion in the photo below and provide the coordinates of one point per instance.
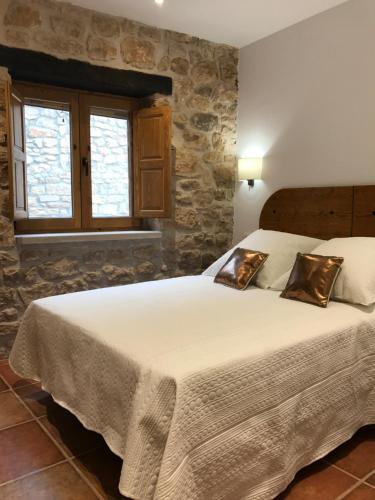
(312, 279)
(240, 268)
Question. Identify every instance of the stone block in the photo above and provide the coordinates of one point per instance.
(117, 275)
(196, 140)
(204, 197)
(22, 15)
(180, 66)
(37, 291)
(190, 241)
(186, 163)
(164, 64)
(204, 72)
(128, 27)
(8, 328)
(199, 102)
(106, 26)
(183, 200)
(224, 177)
(180, 120)
(7, 258)
(228, 70)
(146, 269)
(17, 38)
(190, 261)
(58, 44)
(144, 252)
(187, 218)
(99, 49)
(68, 26)
(11, 276)
(204, 121)
(138, 53)
(9, 314)
(207, 259)
(93, 278)
(150, 32)
(59, 269)
(71, 286)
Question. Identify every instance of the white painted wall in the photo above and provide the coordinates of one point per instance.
(307, 104)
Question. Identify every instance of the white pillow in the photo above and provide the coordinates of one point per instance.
(281, 247)
(356, 280)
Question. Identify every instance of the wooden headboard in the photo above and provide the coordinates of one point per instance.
(325, 212)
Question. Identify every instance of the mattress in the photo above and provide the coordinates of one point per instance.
(204, 391)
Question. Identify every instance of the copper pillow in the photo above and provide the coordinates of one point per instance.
(240, 268)
(312, 279)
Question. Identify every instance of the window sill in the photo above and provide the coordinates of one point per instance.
(39, 239)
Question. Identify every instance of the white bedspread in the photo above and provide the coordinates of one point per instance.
(206, 392)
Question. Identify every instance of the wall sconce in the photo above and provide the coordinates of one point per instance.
(249, 169)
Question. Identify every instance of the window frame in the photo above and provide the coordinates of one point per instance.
(108, 103)
(80, 102)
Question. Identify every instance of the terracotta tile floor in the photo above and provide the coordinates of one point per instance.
(45, 453)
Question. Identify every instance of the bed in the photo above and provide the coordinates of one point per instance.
(204, 391)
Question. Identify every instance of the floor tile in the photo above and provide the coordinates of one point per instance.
(60, 482)
(69, 432)
(39, 401)
(317, 482)
(357, 456)
(3, 386)
(25, 448)
(371, 480)
(103, 469)
(11, 410)
(12, 378)
(362, 492)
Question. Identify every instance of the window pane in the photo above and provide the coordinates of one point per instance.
(48, 153)
(109, 166)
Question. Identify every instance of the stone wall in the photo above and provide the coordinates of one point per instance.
(204, 105)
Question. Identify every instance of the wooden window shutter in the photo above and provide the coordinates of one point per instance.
(152, 162)
(18, 155)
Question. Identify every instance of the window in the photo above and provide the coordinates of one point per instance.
(48, 153)
(109, 172)
(87, 161)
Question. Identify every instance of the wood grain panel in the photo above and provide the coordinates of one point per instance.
(364, 211)
(151, 139)
(317, 212)
(152, 162)
(18, 154)
(152, 182)
(19, 184)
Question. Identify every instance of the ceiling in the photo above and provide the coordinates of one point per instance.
(235, 22)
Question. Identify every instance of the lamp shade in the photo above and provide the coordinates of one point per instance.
(249, 168)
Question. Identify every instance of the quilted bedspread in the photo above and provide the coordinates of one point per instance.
(207, 393)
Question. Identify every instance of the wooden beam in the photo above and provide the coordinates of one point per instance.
(36, 67)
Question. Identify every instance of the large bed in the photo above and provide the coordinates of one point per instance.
(207, 393)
